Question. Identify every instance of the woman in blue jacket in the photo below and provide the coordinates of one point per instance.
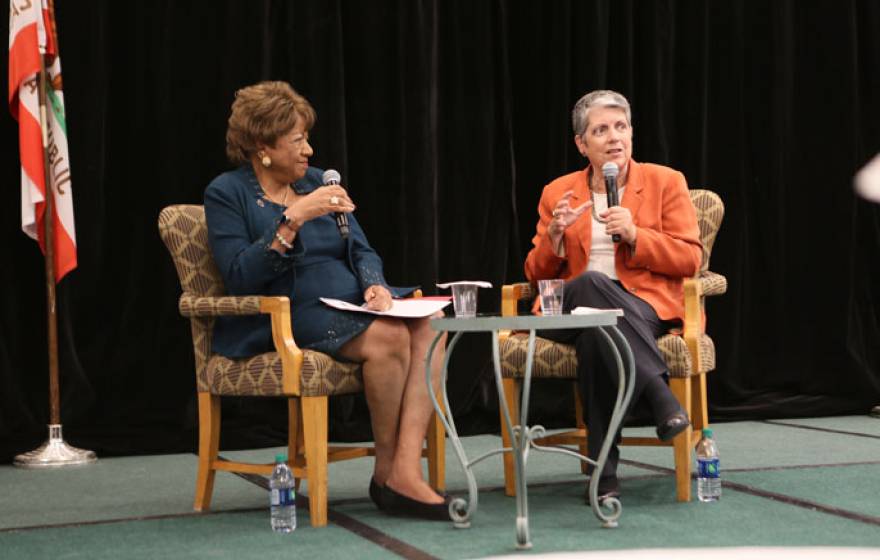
(272, 231)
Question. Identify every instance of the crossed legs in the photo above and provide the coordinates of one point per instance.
(392, 352)
(597, 369)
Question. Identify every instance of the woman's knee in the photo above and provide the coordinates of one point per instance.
(587, 289)
(589, 279)
(421, 333)
(390, 338)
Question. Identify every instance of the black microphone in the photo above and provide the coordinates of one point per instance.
(611, 171)
(332, 177)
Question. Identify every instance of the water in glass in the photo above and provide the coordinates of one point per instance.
(551, 296)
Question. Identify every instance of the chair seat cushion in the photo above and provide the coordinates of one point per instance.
(260, 376)
(557, 360)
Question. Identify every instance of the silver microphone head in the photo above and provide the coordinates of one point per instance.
(610, 169)
(331, 177)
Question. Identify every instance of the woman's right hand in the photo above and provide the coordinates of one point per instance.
(321, 201)
(564, 215)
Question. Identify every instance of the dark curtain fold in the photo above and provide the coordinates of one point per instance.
(446, 118)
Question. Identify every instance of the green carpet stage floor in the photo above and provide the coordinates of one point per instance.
(789, 484)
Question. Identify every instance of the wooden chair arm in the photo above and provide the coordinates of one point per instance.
(278, 307)
(511, 294)
(693, 318)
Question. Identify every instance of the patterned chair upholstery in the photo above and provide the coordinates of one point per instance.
(304, 377)
(689, 353)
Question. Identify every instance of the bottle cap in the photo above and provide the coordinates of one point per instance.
(707, 432)
(281, 458)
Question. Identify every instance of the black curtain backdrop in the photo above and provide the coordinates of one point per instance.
(446, 118)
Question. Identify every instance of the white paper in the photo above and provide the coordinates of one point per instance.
(593, 310)
(405, 308)
(478, 283)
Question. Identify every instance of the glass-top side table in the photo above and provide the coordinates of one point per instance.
(461, 510)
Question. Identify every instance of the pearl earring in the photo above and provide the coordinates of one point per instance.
(266, 161)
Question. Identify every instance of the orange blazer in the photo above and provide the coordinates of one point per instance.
(667, 248)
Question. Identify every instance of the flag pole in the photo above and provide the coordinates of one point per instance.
(54, 452)
(49, 259)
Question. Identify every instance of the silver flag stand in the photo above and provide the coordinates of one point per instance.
(54, 453)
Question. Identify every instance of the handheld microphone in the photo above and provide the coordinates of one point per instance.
(611, 171)
(332, 177)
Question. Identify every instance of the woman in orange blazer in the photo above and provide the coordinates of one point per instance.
(642, 273)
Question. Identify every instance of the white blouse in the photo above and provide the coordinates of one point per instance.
(601, 246)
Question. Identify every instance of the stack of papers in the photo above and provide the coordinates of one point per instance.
(593, 310)
(405, 308)
(477, 283)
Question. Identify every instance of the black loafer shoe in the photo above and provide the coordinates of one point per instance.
(398, 504)
(673, 426)
(608, 488)
(376, 494)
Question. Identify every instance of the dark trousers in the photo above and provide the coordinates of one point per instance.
(597, 368)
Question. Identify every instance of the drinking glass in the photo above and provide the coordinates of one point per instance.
(464, 300)
(551, 296)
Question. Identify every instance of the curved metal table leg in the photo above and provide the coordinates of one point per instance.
(520, 437)
(460, 509)
(625, 386)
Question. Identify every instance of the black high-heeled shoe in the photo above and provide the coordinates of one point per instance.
(398, 504)
(376, 494)
(673, 426)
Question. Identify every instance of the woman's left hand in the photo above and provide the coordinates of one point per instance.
(378, 298)
(619, 220)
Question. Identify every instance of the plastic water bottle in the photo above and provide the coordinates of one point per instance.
(282, 501)
(708, 468)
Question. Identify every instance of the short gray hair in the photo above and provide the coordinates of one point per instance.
(597, 98)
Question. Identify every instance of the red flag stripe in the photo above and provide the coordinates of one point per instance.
(24, 62)
(30, 138)
(65, 249)
(51, 39)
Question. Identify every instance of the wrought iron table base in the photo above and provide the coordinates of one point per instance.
(523, 436)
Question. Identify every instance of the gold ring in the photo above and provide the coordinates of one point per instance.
(334, 200)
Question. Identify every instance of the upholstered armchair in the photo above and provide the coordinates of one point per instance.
(689, 352)
(304, 377)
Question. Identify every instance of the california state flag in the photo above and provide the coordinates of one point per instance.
(32, 33)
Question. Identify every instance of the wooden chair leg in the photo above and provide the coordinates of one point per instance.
(209, 447)
(314, 420)
(581, 425)
(294, 435)
(436, 454)
(700, 414)
(511, 397)
(293, 427)
(682, 443)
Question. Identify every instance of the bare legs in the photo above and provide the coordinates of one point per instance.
(392, 352)
(385, 355)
